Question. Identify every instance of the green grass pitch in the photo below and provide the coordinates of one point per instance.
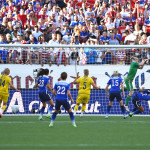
(92, 132)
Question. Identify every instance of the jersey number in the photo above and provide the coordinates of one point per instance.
(115, 83)
(59, 88)
(2, 83)
(41, 83)
(84, 83)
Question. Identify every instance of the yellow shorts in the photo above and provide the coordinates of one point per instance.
(4, 98)
(83, 98)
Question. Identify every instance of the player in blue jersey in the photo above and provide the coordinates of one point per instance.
(115, 83)
(62, 91)
(141, 95)
(43, 83)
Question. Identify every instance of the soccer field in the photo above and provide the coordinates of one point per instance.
(27, 132)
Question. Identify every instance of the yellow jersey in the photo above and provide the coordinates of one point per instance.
(84, 85)
(4, 84)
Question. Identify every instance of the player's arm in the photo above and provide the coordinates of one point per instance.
(54, 92)
(11, 85)
(36, 85)
(75, 81)
(122, 86)
(49, 87)
(94, 85)
(69, 95)
(141, 65)
(107, 90)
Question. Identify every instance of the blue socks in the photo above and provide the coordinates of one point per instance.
(108, 110)
(136, 112)
(42, 111)
(122, 109)
(53, 117)
(50, 109)
(72, 117)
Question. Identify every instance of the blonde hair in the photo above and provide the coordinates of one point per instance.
(86, 71)
(134, 58)
(5, 71)
(115, 73)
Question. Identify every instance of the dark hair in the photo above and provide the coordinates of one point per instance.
(63, 75)
(46, 71)
(41, 72)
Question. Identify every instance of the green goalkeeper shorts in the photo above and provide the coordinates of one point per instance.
(129, 85)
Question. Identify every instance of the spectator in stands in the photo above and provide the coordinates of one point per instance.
(82, 57)
(67, 38)
(36, 33)
(120, 57)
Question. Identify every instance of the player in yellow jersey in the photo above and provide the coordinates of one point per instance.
(84, 92)
(5, 82)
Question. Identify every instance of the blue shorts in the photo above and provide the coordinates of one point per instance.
(63, 103)
(44, 96)
(113, 95)
(136, 101)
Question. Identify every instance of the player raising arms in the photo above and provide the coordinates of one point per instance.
(85, 83)
(5, 82)
(61, 90)
(115, 83)
(129, 79)
(43, 83)
(141, 95)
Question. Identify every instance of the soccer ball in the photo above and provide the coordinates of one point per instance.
(15, 109)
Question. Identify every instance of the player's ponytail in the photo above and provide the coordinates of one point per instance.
(41, 72)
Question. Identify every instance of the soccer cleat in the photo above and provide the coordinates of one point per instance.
(51, 125)
(0, 115)
(49, 116)
(124, 116)
(127, 108)
(106, 117)
(40, 118)
(130, 114)
(74, 125)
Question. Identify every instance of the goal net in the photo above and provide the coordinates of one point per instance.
(101, 60)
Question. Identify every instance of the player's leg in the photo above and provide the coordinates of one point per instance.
(50, 109)
(138, 108)
(67, 107)
(78, 102)
(119, 99)
(4, 99)
(42, 110)
(111, 98)
(57, 108)
(85, 101)
(130, 89)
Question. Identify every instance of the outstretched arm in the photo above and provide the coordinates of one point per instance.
(141, 65)
(11, 85)
(94, 85)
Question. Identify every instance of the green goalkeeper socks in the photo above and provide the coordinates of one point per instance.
(127, 100)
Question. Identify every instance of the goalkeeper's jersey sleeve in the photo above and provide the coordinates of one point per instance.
(85, 85)
(133, 70)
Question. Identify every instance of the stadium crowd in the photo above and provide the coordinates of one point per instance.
(85, 22)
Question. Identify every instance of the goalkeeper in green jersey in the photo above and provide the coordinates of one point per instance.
(129, 79)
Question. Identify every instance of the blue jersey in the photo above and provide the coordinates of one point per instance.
(141, 96)
(115, 84)
(61, 88)
(42, 82)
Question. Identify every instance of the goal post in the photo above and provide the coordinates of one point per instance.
(101, 60)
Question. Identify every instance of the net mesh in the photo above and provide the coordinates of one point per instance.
(101, 62)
